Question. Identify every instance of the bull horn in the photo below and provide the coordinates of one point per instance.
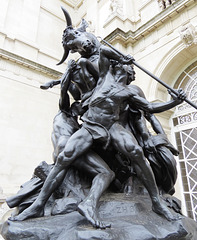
(69, 24)
(67, 17)
(66, 52)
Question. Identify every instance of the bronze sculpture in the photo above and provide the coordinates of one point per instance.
(113, 113)
(102, 122)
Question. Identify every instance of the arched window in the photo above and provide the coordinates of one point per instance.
(185, 130)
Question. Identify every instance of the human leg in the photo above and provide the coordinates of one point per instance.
(103, 176)
(52, 181)
(125, 142)
(57, 174)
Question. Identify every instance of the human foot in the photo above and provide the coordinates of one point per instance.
(161, 209)
(87, 210)
(32, 211)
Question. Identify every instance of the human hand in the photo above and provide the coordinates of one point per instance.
(128, 59)
(47, 85)
(149, 145)
(71, 64)
(179, 96)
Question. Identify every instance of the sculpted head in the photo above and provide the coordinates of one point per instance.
(126, 71)
(130, 73)
(78, 40)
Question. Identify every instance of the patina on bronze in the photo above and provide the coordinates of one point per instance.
(110, 171)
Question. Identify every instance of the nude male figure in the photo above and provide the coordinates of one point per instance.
(101, 123)
(65, 124)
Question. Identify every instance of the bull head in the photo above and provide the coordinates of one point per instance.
(78, 40)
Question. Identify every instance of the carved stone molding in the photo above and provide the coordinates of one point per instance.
(29, 64)
(165, 3)
(115, 12)
(91, 26)
(116, 7)
(188, 34)
(74, 3)
(158, 20)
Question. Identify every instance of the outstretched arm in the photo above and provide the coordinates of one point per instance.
(143, 104)
(50, 84)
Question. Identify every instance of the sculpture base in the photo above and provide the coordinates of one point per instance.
(131, 217)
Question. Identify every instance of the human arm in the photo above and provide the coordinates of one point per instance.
(64, 102)
(143, 104)
(53, 83)
(50, 84)
(155, 124)
(107, 54)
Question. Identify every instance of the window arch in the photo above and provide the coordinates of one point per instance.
(185, 131)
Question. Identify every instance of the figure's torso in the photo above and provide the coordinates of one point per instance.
(64, 125)
(107, 101)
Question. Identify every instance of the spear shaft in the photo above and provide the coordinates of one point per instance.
(151, 75)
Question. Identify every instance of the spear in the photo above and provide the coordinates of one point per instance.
(152, 75)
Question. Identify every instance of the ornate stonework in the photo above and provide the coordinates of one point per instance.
(188, 34)
(74, 3)
(91, 26)
(165, 3)
(116, 7)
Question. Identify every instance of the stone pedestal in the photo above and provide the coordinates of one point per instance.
(131, 218)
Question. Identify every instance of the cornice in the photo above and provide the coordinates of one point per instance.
(28, 63)
(73, 3)
(144, 4)
(133, 36)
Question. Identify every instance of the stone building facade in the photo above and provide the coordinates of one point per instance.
(160, 34)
